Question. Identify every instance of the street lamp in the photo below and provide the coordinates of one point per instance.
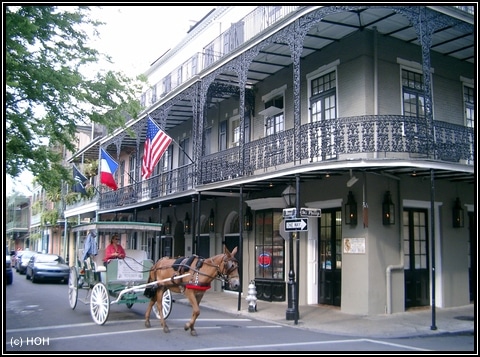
(290, 195)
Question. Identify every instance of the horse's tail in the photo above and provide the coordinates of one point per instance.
(151, 274)
(150, 290)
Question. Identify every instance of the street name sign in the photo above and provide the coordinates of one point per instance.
(310, 212)
(295, 225)
(289, 212)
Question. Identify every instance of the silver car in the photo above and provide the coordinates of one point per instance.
(51, 267)
(21, 265)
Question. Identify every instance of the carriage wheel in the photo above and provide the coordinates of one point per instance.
(99, 304)
(166, 305)
(73, 287)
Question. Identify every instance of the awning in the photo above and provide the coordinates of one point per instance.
(118, 227)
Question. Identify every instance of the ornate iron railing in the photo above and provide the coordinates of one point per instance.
(365, 137)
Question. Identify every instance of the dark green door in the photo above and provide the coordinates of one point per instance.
(416, 258)
(330, 257)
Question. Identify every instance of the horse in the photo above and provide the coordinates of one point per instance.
(202, 271)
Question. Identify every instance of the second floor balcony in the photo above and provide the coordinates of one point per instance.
(376, 142)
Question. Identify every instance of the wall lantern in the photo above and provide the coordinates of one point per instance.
(168, 226)
(247, 220)
(290, 196)
(351, 210)
(388, 210)
(211, 221)
(457, 214)
(186, 223)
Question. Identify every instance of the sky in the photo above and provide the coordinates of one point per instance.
(134, 36)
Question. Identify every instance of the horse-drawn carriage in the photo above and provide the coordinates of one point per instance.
(122, 281)
(125, 281)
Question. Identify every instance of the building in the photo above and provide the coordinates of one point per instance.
(17, 221)
(333, 144)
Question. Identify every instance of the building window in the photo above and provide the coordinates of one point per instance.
(469, 103)
(209, 55)
(269, 245)
(167, 159)
(274, 124)
(274, 118)
(154, 94)
(235, 130)
(323, 110)
(183, 152)
(413, 97)
(132, 165)
(222, 136)
(166, 85)
(323, 102)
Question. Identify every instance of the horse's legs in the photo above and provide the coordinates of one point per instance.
(194, 298)
(147, 313)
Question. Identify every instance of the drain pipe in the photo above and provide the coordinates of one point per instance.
(399, 266)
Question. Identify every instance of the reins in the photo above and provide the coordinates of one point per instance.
(136, 261)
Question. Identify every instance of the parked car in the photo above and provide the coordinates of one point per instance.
(15, 258)
(47, 267)
(8, 270)
(22, 262)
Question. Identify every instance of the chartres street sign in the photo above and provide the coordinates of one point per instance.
(295, 225)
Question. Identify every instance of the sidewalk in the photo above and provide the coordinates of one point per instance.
(329, 319)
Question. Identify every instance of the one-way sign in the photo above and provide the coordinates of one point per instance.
(295, 225)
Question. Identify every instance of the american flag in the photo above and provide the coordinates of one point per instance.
(156, 142)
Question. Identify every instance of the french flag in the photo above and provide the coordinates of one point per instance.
(108, 166)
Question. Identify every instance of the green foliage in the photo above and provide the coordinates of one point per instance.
(48, 94)
(50, 217)
(71, 198)
(35, 236)
(91, 168)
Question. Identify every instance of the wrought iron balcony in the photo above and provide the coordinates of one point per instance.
(392, 137)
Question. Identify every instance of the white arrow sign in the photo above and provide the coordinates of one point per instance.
(293, 225)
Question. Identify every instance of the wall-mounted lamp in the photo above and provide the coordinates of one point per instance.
(388, 209)
(353, 180)
(211, 221)
(290, 196)
(351, 210)
(186, 223)
(168, 226)
(457, 214)
(247, 220)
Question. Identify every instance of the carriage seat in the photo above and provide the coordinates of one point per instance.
(137, 255)
(98, 261)
(95, 263)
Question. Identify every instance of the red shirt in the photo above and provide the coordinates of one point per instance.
(111, 250)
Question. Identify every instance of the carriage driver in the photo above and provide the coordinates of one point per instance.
(114, 250)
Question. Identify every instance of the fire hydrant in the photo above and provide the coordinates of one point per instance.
(252, 297)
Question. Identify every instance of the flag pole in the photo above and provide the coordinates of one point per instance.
(134, 181)
(173, 141)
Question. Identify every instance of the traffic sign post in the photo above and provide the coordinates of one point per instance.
(296, 225)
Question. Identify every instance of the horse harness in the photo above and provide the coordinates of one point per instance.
(183, 265)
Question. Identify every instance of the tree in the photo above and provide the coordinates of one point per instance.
(48, 91)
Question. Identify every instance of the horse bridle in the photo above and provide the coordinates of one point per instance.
(229, 264)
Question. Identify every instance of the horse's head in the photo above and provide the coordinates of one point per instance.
(229, 268)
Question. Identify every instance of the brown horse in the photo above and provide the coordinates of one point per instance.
(202, 271)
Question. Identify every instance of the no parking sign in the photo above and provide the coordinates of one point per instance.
(265, 260)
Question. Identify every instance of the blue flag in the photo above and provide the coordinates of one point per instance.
(80, 180)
